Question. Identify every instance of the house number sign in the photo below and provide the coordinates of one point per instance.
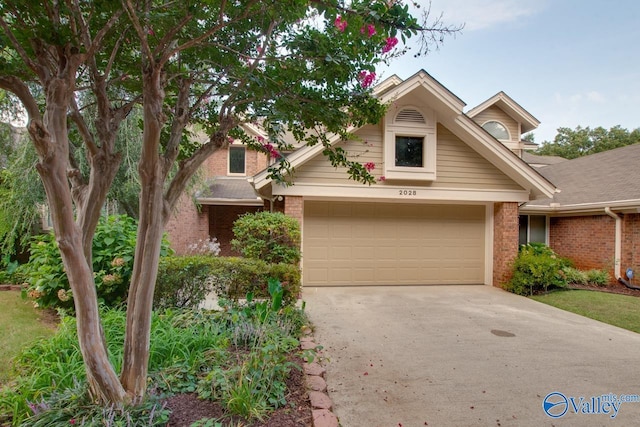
(407, 193)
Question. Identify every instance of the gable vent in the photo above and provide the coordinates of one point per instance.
(410, 116)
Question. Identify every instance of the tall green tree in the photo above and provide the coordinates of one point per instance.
(294, 65)
(573, 143)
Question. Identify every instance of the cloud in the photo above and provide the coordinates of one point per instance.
(578, 99)
(483, 14)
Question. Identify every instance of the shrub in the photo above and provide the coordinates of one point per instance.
(573, 275)
(270, 236)
(537, 268)
(598, 277)
(10, 272)
(185, 281)
(113, 250)
(592, 277)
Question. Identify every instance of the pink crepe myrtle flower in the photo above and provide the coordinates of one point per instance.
(390, 44)
(340, 24)
(382, 178)
(269, 148)
(368, 29)
(366, 78)
(369, 166)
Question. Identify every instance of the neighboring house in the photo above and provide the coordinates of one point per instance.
(444, 209)
(595, 218)
(226, 194)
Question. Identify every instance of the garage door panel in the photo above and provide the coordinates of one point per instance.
(367, 243)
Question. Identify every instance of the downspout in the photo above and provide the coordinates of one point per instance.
(618, 242)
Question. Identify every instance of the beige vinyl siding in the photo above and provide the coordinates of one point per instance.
(367, 149)
(457, 165)
(494, 113)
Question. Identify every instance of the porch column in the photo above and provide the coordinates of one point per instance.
(505, 240)
(294, 207)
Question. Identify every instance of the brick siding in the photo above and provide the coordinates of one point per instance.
(187, 225)
(589, 241)
(505, 241)
(631, 243)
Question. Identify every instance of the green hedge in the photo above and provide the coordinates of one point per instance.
(185, 281)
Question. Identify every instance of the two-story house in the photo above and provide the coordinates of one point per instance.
(444, 209)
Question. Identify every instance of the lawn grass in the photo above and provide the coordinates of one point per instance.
(618, 310)
(20, 324)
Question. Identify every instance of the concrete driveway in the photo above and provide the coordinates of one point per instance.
(469, 356)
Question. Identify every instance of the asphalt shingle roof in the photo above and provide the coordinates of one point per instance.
(609, 176)
(229, 188)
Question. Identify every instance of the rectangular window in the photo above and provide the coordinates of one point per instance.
(533, 229)
(236, 160)
(409, 151)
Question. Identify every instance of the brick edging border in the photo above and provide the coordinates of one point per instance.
(321, 404)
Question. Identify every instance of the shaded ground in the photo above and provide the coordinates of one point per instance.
(187, 408)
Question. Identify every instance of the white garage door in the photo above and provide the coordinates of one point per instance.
(392, 244)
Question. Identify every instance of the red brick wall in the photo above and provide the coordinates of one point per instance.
(588, 241)
(631, 243)
(187, 225)
(294, 207)
(505, 241)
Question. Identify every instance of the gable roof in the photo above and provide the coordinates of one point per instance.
(591, 183)
(509, 106)
(449, 111)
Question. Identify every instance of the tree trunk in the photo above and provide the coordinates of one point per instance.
(51, 141)
(149, 238)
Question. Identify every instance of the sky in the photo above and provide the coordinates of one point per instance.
(567, 62)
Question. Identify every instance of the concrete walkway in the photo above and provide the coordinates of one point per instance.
(468, 356)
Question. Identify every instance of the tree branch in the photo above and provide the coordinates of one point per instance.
(20, 89)
(189, 166)
(86, 134)
(181, 118)
(142, 35)
(38, 70)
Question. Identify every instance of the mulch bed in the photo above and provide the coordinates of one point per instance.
(188, 408)
(618, 288)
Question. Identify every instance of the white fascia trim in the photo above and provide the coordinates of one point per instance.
(391, 81)
(399, 194)
(230, 202)
(632, 205)
(511, 104)
(488, 245)
(526, 176)
(423, 79)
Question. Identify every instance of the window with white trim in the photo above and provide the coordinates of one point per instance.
(237, 159)
(497, 130)
(410, 145)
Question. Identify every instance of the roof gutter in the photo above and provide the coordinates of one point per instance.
(618, 241)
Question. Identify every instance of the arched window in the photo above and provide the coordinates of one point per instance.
(497, 130)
